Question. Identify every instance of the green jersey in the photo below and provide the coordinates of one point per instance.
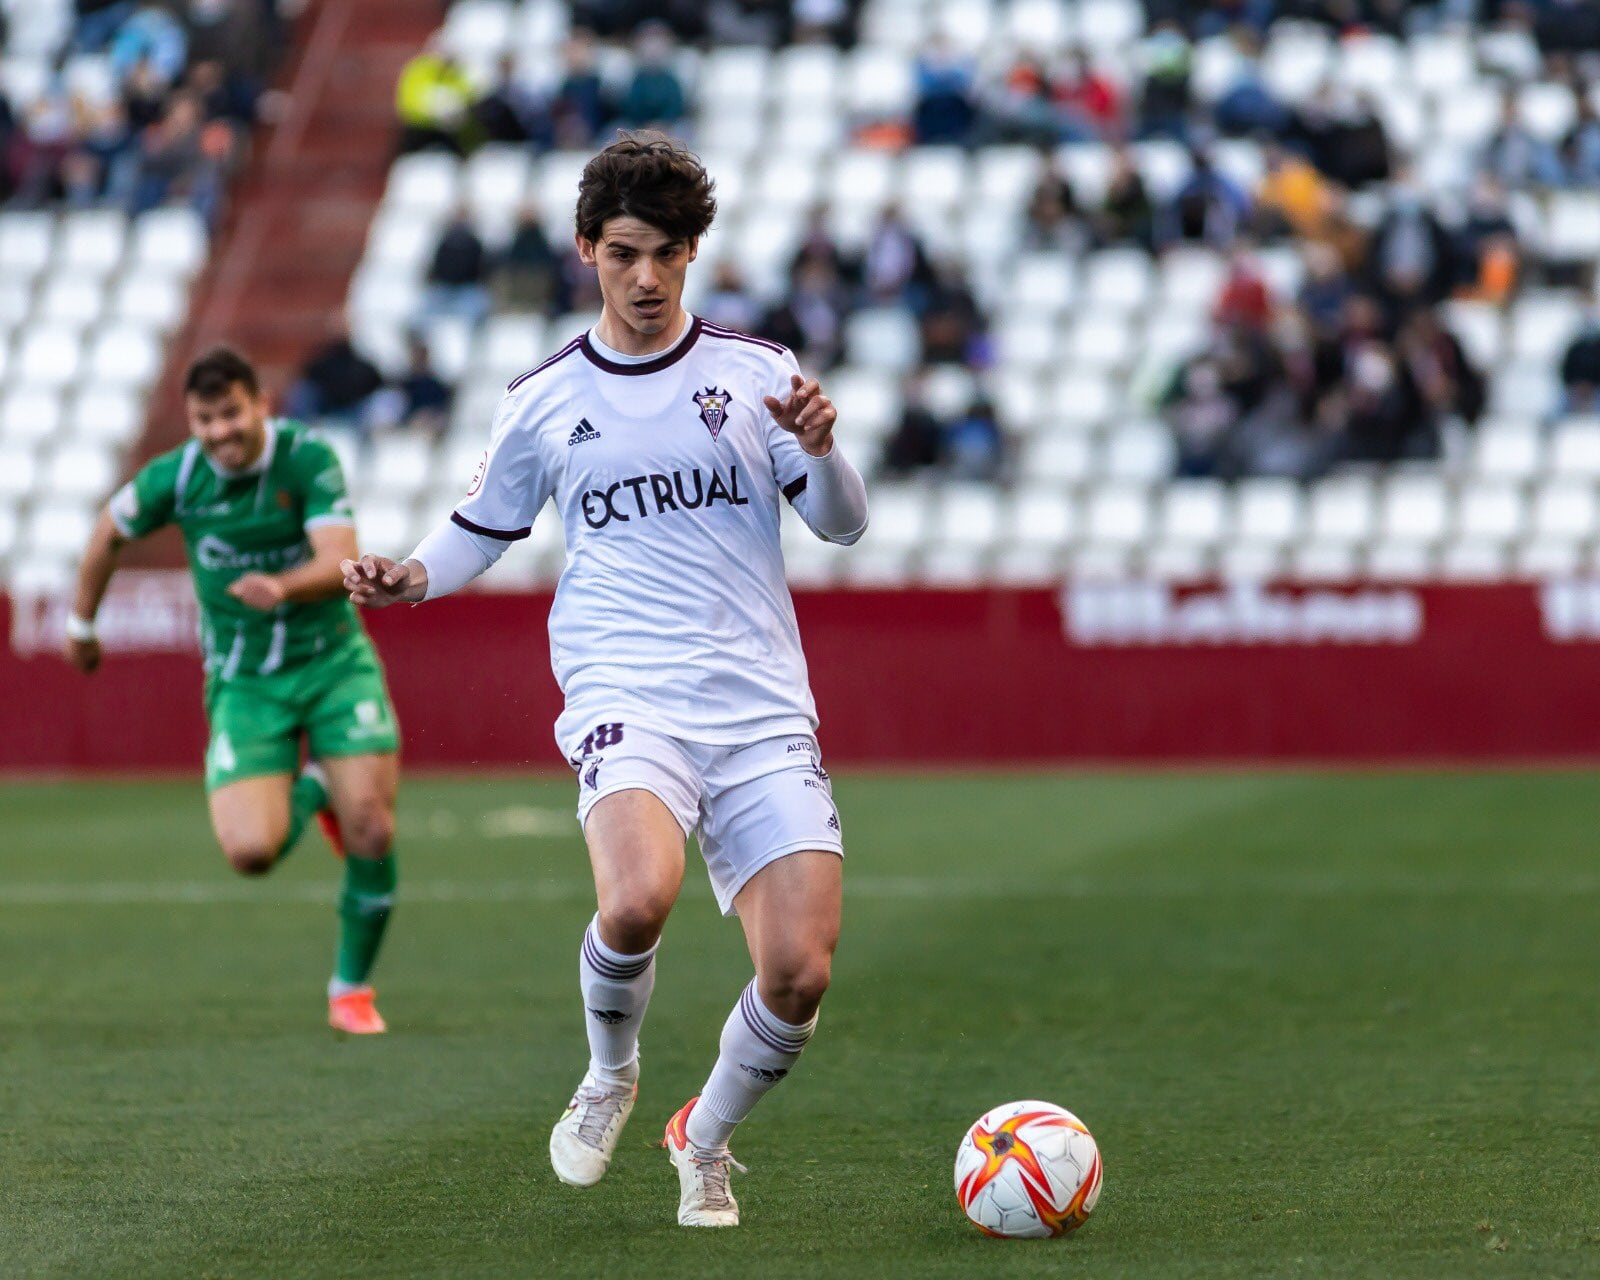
(251, 521)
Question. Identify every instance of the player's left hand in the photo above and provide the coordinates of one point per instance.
(806, 413)
(257, 590)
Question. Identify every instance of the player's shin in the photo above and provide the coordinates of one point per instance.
(758, 1050)
(616, 992)
(364, 908)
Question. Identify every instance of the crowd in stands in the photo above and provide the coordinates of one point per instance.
(186, 80)
(1356, 364)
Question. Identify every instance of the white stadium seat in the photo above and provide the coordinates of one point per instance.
(26, 241)
(1118, 515)
(152, 300)
(1547, 558)
(1195, 511)
(19, 467)
(1415, 509)
(1343, 509)
(125, 355)
(879, 85)
(899, 516)
(861, 179)
(92, 241)
(1325, 561)
(1268, 511)
(968, 515)
(423, 183)
(1575, 448)
(1401, 562)
(1490, 511)
(1041, 516)
(1063, 457)
(885, 338)
(1140, 451)
(1565, 509)
(80, 471)
(72, 300)
(57, 528)
(172, 240)
(49, 356)
(1474, 561)
(29, 415)
(110, 415)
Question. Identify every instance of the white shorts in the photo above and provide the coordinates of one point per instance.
(747, 805)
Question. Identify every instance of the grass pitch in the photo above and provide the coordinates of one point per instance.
(1322, 1026)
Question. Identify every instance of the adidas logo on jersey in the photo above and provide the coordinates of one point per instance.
(582, 433)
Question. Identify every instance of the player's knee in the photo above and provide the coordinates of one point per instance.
(634, 924)
(249, 857)
(798, 985)
(368, 831)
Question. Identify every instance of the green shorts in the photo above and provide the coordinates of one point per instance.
(338, 701)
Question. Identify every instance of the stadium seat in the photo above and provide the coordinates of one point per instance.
(1575, 448)
(1191, 279)
(19, 466)
(1040, 516)
(478, 30)
(1043, 283)
(85, 472)
(1370, 64)
(508, 345)
(10, 527)
(1508, 449)
(1572, 226)
(934, 176)
(1101, 342)
(171, 239)
(150, 300)
(861, 179)
(1547, 109)
(401, 244)
(423, 184)
(125, 355)
(111, 416)
(948, 390)
(91, 241)
(1250, 561)
(16, 304)
(1415, 509)
(385, 523)
(968, 515)
(1474, 561)
(1268, 511)
(1143, 452)
(1325, 561)
(50, 356)
(1180, 562)
(26, 241)
(1087, 166)
(30, 414)
(1479, 328)
(1440, 62)
(1118, 515)
(400, 464)
(72, 300)
(1118, 280)
(1565, 510)
(1469, 117)
(883, 338)
(1343, 510)
(1401, 562)
(1490, 512)
(900, 516)
(879, 85)
(1547, 558)
(57, 528)
(496, 178)
(1027, 566)
(1525, 388)
(1295, 61)
(1062, 457)
(1195, 511)
(1541, 325)
(1005, 176)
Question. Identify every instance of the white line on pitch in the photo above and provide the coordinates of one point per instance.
(883, 888)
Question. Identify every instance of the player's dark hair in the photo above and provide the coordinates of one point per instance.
(648, 176)
(218, 369)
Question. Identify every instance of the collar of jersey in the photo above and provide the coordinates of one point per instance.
(256, 467)
(669, 357)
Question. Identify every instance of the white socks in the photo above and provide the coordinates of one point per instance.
(616, 991)
(757, 1051)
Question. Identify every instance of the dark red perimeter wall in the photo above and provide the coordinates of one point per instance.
(1137, 673)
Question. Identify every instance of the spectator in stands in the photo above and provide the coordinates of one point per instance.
(1517, 156)
(974, 445)
(458, 273)
(918, 442)
(810, 321)
(1017, 107)
(40, 145)
(1127, 215)
(1244, 300)
(434, 99)
(232, 38)
(1208, 207)
(654, 98)
(181, 156)
(337, 384)
(817, 245)
(97, 22)
(144, 95)
(1412, 262)
(1201, 414)
(1247, 107)
(1164, 103)
(1580, 148)
(1054, 221)
(730, 303)
(581, 107)
(1086, 102)
(1293, 198)
(1447, 384)
(895, 267)
(1488, 255)
(951, 324)
(1383, 418)
(1580, 367)
(1325, 290)
(946, 106)
(580, 285)
(1344, 137)
(527, 276)
(151, 34)
(425, 396)
(512, 110)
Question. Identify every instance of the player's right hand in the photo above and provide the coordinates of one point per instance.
(376, 581)
(83, 654)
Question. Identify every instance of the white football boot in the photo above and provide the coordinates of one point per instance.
(584, 1138)
(704, 1197)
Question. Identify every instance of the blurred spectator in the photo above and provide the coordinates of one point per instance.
(918, 441)
(1344, 137)
(426, 397)
(1087, 103)
(1411, 262)
(97, 22)
(1201, 414)
(1488, 255)
(434, 98)
(581, 106)
(1247, 106)
(1383, 418)
(1164, 104)
(1208, 207)
(1580, 366)
(810, 321)
(1517, 156)
(1054, 220)
(895, 267)
(952, 324)
(1017, 107)
(512, 110)
(150, 34)
(1126, 216)
(974, 444)
(337, 383)
(1244, 300)
(817, 245)
(527, 276)
(1293, 199)
(1447, 384)
(1580, 148)
(181, 155)
(655, 96)
(946, 108)
(729, 302)
(456, 278)
(230, 37)
(1326, 288)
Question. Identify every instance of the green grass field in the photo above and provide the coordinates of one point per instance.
(1322, 1026)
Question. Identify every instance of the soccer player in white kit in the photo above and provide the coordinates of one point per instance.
(670, 447)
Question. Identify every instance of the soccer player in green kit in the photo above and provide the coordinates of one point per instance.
(266, 520)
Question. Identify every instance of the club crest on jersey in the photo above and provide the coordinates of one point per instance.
(713, 402)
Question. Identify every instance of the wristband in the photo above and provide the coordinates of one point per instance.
(80, 630)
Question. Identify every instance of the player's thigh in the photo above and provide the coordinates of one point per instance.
(251, 820)
(638, 798)
(345, 706)
(766, 803)
(254, 733)
(361, 790)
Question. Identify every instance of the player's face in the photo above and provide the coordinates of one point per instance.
(231, 428)
(641, 273)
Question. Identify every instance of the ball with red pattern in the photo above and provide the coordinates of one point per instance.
(1028, 1169)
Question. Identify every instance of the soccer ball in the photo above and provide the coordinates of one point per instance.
(1028, 1169)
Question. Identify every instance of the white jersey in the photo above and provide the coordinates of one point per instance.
(670, 476)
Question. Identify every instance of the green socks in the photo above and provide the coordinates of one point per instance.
(306, 797)
(364, 908)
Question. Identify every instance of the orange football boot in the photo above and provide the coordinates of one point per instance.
(354, 1013)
